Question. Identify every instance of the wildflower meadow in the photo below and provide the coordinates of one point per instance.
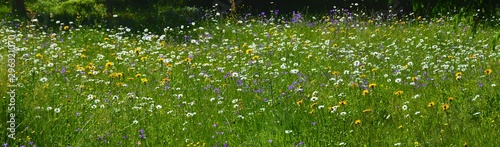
(338, 79)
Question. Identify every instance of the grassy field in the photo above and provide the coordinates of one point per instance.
(335, 80)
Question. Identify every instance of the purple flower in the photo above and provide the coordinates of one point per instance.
(5, 144)
(143, 136)
(142, 131)
(313, 123)
(63, 70)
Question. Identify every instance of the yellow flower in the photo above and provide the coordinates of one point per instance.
(90, 73)
(249, 51)
(451, 99)
(300, 102)
(138, 75)
(106, 39)
(255, 58)
(130, 79)
(399, 92)
(488, 71)
(335, 73)
(357, 122)
(458, 78)
(144, 58)
(144, 80)
(365, 92)
(119, 75)
(168, 65)
(367, 110)
(109, 64)
(66, 27)
(445, 107)
(161, 60)
(313, 105)
(113, 75)
(431, 104)
(137, 50)
(330, 109)
(344, 102)
(311, 112)
(414, 78)
(458, 74)
(372, 86)
(187, 59)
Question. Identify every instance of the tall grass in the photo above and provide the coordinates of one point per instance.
(264, 80)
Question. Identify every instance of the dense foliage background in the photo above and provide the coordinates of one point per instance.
(162, 13)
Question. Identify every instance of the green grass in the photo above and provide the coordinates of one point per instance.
(250, 83)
